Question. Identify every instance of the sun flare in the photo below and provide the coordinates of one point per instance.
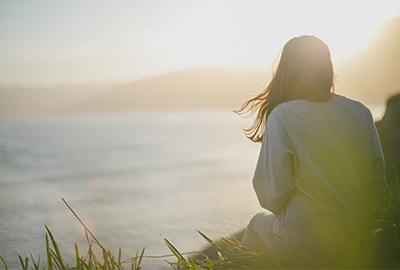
(130, 39)
(253, 34)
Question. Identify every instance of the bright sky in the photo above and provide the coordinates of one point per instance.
(74, 41)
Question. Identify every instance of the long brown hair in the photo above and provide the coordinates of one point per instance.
(304, 71)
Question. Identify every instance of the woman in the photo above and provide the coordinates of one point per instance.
(320, 165)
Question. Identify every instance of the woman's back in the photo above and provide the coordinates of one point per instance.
(320, 167)
(327, 156)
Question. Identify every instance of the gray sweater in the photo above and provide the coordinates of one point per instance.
(319, 171)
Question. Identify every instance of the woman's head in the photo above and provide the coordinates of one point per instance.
(304, 71)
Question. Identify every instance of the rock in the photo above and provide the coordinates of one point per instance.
(389, 133)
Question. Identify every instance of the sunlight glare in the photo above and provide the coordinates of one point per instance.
(254, 32)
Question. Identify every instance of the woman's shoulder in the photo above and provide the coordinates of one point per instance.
(356, 105)
(301, 107)
(278, 111)
(336, 100)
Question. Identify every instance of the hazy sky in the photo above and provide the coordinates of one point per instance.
(55, 42)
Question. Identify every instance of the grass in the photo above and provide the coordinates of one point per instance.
(387, 219)
(227, 252)
(230, 254)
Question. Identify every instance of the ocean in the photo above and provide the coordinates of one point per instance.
(134, 179)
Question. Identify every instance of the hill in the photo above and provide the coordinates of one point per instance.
(181, 90)
(374, 73)
(371, 76)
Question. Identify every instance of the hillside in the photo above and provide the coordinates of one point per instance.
(186, 89)
(25, 100)
(374, 73)
(370, 76)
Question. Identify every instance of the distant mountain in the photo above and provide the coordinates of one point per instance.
(25, 100)
(370, 76)
(374, 73)
(187, 89)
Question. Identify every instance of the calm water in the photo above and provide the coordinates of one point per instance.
(134, 178)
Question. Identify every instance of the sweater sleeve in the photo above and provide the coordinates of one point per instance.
(272, 180)
(378, 160)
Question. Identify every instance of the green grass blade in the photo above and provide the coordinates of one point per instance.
(119, 258)
(24, 263)
(206, 237)
(55, 259)
(55, 246)
(83, 264)
(3, 263)
(193, 264)
(49, 260)
(232, 243)
(177, 254)
(35, 265)
(77, 256)
(140, 259)
(107, 264)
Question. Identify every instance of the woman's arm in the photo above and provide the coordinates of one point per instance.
(378, 160)
(273, 177)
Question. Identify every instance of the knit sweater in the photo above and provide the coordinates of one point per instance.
(319, 169)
